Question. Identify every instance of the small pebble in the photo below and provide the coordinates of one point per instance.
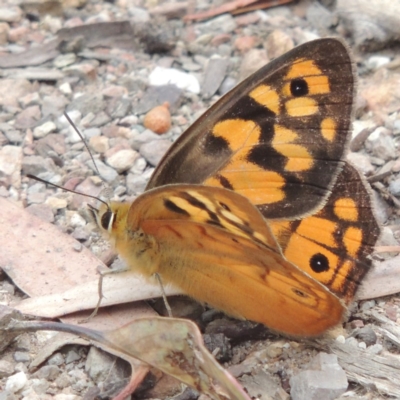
(158, 119)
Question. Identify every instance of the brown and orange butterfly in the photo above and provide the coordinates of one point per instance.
(253, 210)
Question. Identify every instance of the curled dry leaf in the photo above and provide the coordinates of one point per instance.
(172, 345)
(158, 119)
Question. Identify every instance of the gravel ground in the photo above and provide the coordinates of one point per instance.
(107, 79)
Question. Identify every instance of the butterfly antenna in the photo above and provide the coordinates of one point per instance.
(83, 140)
(67, 190)
(107, 195)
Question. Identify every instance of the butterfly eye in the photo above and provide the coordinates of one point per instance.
(319, 263)
(107, 220)
(298, 87)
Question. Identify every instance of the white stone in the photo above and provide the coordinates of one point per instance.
(75, 220)
(360, 125)
(341, 339)
(16, 382)
(65, 88)
(375, 62)
(44, 129)
(75, 117)
(64, 396)
(122, 160)
(171, 76)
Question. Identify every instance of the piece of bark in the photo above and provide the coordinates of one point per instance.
(381, 373)
(236, 7)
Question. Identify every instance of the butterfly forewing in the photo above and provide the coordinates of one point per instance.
(277, 138)
(217, 247)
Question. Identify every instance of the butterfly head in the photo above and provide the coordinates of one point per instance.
(110, 217)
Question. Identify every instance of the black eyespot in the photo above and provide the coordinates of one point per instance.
(106, 219)
(319, 263)
(298, 87)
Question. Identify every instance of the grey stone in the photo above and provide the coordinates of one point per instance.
(136, 184)
(138, 15)
(40, 386)
(23, 342)
(394, 187)
(6, 368)
(382, 144)
(107, 173)
(63, 60)
(367, 335)
(98, 364)
(214, 76)
(72, 356)
(222, 24)
(28, 118)
(54, 105)
(48, 372)
(56, 359)
(63, 381)
(118, 108)
(14, 136)
(88, 103)
(324, 379)
(227, 84)
(6, 395)
(21, 356)
(156, 95)
(367, 305)
(100, 119)
(146, 136)
(320, 17)
(382, 209)
(35, 165)
(154, 151)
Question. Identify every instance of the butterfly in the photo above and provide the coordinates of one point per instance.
(253, 210)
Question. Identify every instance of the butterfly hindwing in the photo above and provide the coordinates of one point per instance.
(277, 138)
(334, 245)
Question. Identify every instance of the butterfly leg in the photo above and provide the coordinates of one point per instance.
(102, 273)
(166, 304)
